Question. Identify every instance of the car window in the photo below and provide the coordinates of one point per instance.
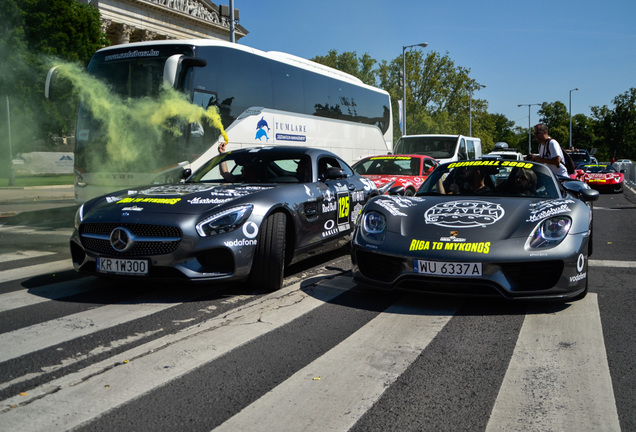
(256, 167)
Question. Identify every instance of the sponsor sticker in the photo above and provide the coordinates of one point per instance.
(464, 214)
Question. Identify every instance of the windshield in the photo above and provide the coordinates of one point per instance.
(599, 169)
(122, 124)
(256, 167)
(433, 146)
(580, 156)
(389, 165)
(497, 178)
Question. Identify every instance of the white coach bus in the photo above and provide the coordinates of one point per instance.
(263, 98)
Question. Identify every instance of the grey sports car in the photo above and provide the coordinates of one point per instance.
(243, 216)
(483, 228)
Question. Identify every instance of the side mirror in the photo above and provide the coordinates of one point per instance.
(334, 173)
(186, 173)
(581, 190)
(396, 190)
(56, 86)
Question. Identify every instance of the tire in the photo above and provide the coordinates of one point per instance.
(409, 192)
(268, 265)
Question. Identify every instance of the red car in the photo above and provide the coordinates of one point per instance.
(600, 177)
(409, 171)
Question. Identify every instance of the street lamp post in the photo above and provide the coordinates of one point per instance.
(570, 109)
(470, 108)
(423, 45)
(529, 127)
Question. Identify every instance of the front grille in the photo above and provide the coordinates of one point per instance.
(383, 268)
(165, 239)
(455, 286)
(533, 275)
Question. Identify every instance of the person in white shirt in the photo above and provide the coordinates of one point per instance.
(550, 152)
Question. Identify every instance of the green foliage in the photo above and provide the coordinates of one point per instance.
(349, 62)
(31, 33)
(615, 129)
(438, 95)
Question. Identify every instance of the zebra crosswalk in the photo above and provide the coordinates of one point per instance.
(557, 377)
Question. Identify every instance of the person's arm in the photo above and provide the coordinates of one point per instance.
(551, 161)
(225, 173)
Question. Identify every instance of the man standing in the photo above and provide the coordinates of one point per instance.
(550, 152)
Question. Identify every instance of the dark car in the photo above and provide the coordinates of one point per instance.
(580, 156)
(407, 171)
(483, 228)
(243, 216)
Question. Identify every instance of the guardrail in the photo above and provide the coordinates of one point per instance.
(630, 171)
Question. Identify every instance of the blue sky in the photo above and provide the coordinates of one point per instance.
(524, 52)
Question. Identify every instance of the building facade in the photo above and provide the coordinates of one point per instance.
(125, 21)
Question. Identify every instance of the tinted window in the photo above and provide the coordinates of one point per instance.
(288, 92)
(242, 80)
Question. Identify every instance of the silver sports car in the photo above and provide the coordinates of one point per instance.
(484, 227)
(243, 216)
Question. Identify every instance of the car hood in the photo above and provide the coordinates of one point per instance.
(473, 219)
(175, 198)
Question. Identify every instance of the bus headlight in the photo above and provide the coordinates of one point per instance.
(224, 221)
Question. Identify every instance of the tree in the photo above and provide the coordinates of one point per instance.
(349, 62)
(33, 32)
(616, 128)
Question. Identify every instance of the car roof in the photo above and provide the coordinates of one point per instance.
(283, 149)
(396, 156)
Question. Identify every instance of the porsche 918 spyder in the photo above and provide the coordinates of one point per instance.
(408, 171)
(244, 215)
(481, 228)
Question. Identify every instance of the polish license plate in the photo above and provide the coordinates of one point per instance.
(441, 268)
(122, 266)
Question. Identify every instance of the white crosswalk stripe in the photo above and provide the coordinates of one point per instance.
(39, 336)
(559, 372)
(144, 368)
(558, 377)
(22, 254)
(354, 375)
(33, 296)
(29, 271)
(20, 229)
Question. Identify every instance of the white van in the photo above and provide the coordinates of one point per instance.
(444, 148)
(503, 151)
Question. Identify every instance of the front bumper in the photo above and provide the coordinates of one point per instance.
(182, 256)
(554, 276)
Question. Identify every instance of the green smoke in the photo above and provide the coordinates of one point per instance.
(135, 131)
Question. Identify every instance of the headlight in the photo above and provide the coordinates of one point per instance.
(373, 226)
(79, 216)
(224, 221)
(550, 232)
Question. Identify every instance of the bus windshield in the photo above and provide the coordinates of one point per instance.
(123, 138)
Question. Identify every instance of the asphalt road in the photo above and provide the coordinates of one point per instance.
(87, 354)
